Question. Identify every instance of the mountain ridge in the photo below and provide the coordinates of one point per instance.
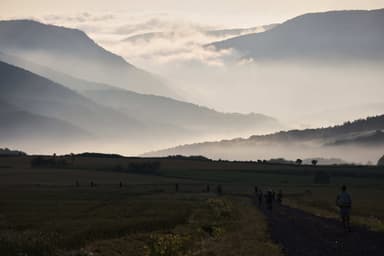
(73, 52)
(158, 109)
(323, 36)
(331, 142)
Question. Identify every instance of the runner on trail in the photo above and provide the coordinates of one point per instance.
(260, 197)
(269, 200)
(280, 197)
(344, 202)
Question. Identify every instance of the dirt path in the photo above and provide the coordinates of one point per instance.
(303, 234)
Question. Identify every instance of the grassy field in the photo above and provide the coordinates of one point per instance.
(134, 210)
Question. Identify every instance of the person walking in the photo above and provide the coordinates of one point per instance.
(260, 197)
(269, 200)
(344, 202)
(280, 197)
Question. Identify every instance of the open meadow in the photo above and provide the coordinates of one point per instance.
(167, 206)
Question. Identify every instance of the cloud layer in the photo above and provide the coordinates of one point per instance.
(302, 95)
(154, 39)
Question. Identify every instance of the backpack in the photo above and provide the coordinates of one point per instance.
(344, 200)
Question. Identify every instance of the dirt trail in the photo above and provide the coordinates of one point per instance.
(302, 234)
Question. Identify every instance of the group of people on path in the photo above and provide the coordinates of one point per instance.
(268, 197)
(343, 201)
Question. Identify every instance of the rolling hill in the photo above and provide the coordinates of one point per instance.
(352, 141)
(334, 35)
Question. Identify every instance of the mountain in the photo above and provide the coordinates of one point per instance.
(73, 83)
(21, 126)
(334, 35)
(360, 140)
(369, 139)
(196, 118)
(156, 111)
(41, 96)
(72, 52)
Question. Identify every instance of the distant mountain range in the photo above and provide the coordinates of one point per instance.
(334, 35)
(24, 127)
(45, 99)
(58, 87)
(154, 109)
(110, 113)
(352, 141)
(39, 95)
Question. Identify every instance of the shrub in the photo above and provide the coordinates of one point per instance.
(322, 177)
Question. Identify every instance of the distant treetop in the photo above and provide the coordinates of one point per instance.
(10, 152)
(381, 161)
(99, 155)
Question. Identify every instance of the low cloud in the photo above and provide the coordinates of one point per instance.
(151, 40)
(78, 18)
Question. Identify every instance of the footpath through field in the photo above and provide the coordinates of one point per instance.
(302, 234)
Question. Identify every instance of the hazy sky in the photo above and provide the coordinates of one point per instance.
(203, 75)
(234, 12)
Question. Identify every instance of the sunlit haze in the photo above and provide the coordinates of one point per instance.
(175, 41)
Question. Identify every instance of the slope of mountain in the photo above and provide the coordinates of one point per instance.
(155, 109)
(331, 35)
(71, 51)
(196, 118)
(353, 141)
(368, 139)
(23, 126)
(41, 96)
(68, 81)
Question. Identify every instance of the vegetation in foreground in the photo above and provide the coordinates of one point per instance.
(54, 210)
(70, 221)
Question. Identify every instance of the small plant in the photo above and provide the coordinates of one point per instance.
(167, 245)
(29, 243)
(221, 208)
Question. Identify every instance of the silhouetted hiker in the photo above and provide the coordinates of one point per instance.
(269, 200)
(260, 197)
(280, 197)
(120, 184)
(208, 188)
(219, 190)
(256, 189)
(344, 202)
(177, 187)
(92, 184)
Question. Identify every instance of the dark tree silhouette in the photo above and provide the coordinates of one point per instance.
(299, 161)
(314, 162)
(381, 161)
